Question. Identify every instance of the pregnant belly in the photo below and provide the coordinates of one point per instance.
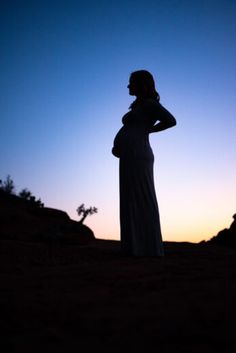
(132, 141)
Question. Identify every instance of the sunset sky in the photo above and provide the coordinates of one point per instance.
(64, 70)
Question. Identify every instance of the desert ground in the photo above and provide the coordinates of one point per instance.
(76, 298)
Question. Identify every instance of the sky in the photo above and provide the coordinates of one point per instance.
(64, 70)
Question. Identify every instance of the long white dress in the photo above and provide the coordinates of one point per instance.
(139, 215)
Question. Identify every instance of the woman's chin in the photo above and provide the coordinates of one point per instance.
(131, 93)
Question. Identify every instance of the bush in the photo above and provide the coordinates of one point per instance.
(7, 186)
(27, 195)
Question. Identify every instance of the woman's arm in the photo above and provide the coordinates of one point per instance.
(165, 118)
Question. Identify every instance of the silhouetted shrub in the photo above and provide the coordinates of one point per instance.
(81, 210)
(27, 195)
(7, 186)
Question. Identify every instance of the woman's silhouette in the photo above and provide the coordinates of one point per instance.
(139, 215)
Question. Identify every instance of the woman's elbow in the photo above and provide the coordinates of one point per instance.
(172, 122)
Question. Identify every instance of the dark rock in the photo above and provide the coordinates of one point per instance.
(23, 220)
(226, 236)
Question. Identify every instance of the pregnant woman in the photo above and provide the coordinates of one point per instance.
(140, 228)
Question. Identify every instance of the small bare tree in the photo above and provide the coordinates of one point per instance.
(84, 212)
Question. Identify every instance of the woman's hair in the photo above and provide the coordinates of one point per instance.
(145, 86)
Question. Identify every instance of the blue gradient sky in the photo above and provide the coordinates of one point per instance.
(64, 69)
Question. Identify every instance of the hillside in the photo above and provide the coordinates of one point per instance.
(24, 220)
(62, 290)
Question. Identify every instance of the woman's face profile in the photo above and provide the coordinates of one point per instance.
(136, 88)
(132, 87)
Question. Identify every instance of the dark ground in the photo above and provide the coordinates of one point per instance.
(77, 298)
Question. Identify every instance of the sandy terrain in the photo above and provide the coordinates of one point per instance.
(69, 298)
